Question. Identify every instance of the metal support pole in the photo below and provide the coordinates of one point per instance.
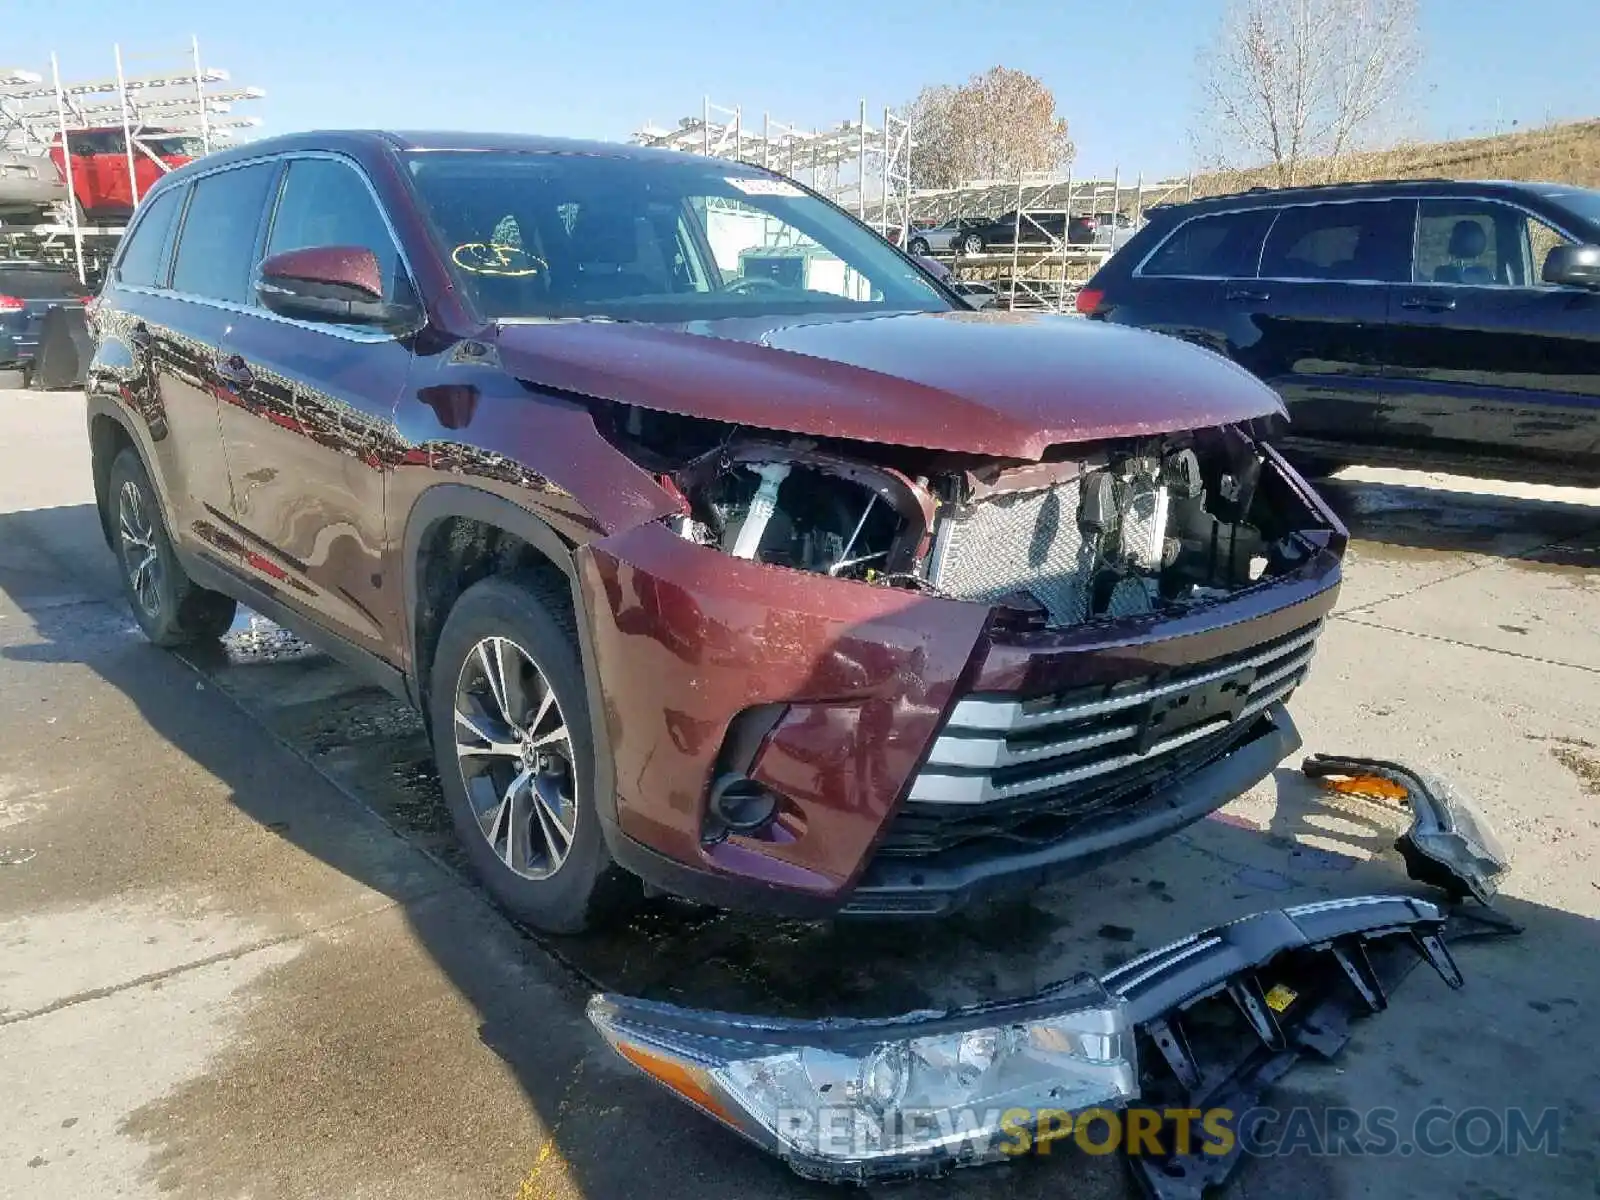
(127, 128)
(889, 156)
(766, 140)
(66, 167)
(861, 162)
(738, 133)
(200, 96)
(1016, 248)
(705, 126)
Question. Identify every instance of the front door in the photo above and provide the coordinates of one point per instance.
(1484, 356)
(1311, 323)
(312, 404)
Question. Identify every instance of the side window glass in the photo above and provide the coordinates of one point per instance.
(1367, 240)
(1225, 245)
(142, 257)
(1542, 239)
(1459, 241)
(326, 203)
(1482, 243)
(217, 245)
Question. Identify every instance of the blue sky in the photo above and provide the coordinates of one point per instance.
(1123, 73)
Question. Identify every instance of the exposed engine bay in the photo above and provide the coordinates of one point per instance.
(1103, 531)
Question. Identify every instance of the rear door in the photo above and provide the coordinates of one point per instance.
(1485, 357)
(310, 403)
(1312, 321)
(1177, 288)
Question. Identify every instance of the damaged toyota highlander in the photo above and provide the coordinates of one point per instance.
(724, 550)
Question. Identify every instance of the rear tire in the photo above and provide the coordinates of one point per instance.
(515, 753)
(972, 244)
(170, 607)
(917, 246)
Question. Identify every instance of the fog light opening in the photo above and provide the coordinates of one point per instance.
(741, 805)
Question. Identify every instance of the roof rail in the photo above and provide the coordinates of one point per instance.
(1258, 189)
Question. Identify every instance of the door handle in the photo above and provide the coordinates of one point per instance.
(1429, 303)
(233, 371)
(1253, 296)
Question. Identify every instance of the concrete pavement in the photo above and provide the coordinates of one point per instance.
(235, 959)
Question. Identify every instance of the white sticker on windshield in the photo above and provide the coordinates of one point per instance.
(764, 187)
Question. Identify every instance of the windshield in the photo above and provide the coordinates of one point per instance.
(1582, 202)
(175, 145)
(538, 235)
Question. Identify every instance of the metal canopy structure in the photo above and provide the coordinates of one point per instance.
(854, 164)
(175, 94)
(870, 171)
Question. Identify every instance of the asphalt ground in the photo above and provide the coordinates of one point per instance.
(238, 956)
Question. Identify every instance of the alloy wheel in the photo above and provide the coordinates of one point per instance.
(515, 754)
(140, 557)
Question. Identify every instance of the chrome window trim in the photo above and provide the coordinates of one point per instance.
(343, 332)
(1279, 207)
(346, 333)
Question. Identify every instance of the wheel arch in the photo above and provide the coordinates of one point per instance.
(453, 502)
(109, 435)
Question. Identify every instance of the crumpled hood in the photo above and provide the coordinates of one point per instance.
(1005, 384)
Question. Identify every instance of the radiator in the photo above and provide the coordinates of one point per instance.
(1030, 542)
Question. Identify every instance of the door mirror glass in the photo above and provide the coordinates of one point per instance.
(341, 285)
(1573, 266)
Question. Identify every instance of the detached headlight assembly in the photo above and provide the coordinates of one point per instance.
(857, 1100)
(1450, 844)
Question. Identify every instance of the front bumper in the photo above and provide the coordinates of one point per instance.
(852, 703)
(942, 883)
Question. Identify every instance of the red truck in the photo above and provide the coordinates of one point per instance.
(100, 166)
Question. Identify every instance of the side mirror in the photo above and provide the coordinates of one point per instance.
(1574, 266)
(341, 285)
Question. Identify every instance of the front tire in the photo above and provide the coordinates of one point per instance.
(972, 244)
(170, 607)
(515, 753)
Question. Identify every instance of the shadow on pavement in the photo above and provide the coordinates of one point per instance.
(1439, 521)
(1511, 1038)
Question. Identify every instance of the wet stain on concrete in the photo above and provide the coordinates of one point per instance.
(1582, 762)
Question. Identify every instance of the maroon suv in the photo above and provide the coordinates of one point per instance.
(721, 546)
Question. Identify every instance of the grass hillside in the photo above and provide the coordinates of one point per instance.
(1557, 153)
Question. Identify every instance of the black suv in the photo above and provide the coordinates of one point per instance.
(1045, 229)
(1420, 323)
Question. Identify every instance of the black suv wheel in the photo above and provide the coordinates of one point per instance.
(170, 607)
(972, 244)
(515, 754)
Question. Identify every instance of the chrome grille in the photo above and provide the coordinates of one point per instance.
(1023, 542)
(999, 752)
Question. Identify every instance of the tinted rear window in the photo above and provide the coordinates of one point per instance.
(1224, 244)
(39, 283)
(141, 257)
(1369, 240)
(217, 246)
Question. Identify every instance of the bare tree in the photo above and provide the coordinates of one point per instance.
(1289, 81)
(994, 126)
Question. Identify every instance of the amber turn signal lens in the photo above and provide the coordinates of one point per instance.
(687, 1081)
(1369, 787)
